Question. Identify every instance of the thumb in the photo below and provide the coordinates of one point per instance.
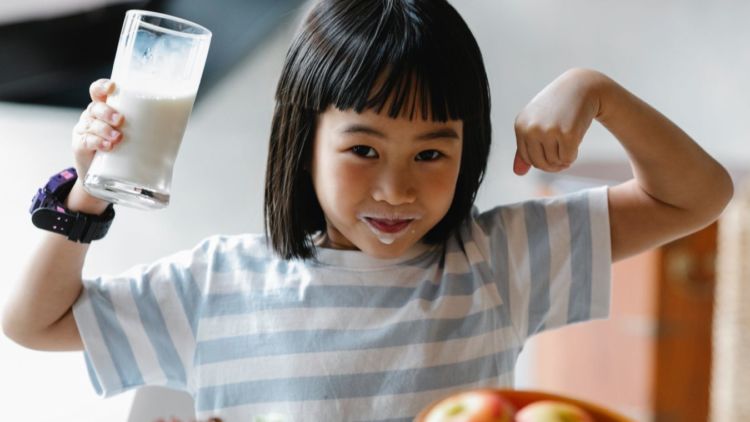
(520, 167)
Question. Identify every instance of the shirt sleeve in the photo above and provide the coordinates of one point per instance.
(139, 328)
(551, 258)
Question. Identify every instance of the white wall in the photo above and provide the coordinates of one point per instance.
(688, 58)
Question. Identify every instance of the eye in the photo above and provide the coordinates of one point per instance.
(364, 151)
(429, 155)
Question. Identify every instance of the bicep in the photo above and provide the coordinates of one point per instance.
(639, 222)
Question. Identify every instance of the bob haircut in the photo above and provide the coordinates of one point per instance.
(420, 54)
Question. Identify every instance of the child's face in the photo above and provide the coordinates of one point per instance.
(383, 183)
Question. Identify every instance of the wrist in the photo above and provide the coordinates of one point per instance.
(81, 201)
(590, 85)
(599, 92)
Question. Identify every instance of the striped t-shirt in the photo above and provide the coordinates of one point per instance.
(346, 336)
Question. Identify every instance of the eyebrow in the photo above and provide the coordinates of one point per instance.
(442, 133)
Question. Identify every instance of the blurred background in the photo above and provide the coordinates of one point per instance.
(687, 58)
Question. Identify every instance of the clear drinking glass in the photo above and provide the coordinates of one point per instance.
(157, 70)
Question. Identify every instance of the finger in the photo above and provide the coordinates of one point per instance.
(90, 141)
(104, 112)
(83, 125)
(520, 167)
(536, 155)
(101, 129)
(568, 154)
(522, 151)
(100, 89)
(551, 154)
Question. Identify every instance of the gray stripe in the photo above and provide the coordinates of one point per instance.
(342, 296)
(114, 337)
(314, 341)
(539, 259)
(158, 334)
(492, 224)
(237, 261)
(579, 308)
(334, 387)
(92, 373)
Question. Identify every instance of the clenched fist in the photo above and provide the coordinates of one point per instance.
(551, 127)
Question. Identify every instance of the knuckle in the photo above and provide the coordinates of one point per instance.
(532, 129)
(91, 141)
(101, 111)
(86, 140)
(95, 108)
(549, 134)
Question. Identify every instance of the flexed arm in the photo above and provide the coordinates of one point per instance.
(677, 189)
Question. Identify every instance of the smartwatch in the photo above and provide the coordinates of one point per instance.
(49, 213)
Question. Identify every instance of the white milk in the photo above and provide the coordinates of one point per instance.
(152, 133)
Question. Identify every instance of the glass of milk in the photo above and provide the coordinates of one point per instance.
(157, 70)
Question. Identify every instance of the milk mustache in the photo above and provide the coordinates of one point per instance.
(152, 132)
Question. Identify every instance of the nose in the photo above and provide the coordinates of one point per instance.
(395, 185)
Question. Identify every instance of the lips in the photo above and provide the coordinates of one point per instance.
(388, 226)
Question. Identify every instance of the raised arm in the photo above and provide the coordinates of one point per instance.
(39, 314)
(677, 189)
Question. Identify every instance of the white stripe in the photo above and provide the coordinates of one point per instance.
(481, 240)
(127, 314)
(601, 254)
(355, 361)
(93, 343)
(248, 281)
(560, 266)
(519, 267)
(179, 330)
(372, 408)
(290, 319)
(473, 253)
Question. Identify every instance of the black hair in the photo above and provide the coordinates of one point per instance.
(419, 54)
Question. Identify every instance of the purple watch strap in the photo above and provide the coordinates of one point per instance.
(48, 212)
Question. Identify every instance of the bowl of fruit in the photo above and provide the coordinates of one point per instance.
(499, 405)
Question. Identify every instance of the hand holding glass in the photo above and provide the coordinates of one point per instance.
(157, 70)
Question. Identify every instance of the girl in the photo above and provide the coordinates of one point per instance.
(377, 288)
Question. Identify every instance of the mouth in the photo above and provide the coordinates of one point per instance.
(388, 226)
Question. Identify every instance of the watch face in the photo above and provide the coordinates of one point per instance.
(61, 178)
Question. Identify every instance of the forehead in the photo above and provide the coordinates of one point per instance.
(336, 119)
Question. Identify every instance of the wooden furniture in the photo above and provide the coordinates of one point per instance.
(731, 369)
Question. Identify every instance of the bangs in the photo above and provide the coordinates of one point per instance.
(384, 56)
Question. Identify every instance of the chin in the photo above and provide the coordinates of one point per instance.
(379, 250)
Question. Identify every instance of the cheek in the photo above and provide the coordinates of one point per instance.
(441, 185)
(340, 181)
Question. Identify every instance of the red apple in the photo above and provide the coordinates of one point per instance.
(552, 411)
(472, 406)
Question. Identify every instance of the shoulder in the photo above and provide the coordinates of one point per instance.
(235, 243)
(537, 221)
(224, 247)
(544, 210)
